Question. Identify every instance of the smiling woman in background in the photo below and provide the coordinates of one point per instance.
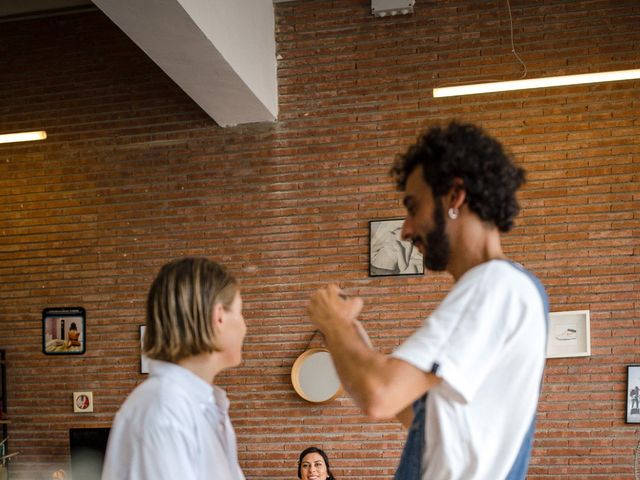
(314, 465)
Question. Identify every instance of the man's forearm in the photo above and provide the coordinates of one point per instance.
(357, 363)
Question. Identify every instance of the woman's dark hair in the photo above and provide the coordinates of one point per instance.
(73, 326)
(319, 451)
(465, 151)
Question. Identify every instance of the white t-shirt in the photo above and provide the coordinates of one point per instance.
(487, 342)
(173, 426)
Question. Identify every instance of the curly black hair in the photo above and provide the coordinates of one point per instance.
(466, 151)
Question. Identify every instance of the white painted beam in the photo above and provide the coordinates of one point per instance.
(220, 52)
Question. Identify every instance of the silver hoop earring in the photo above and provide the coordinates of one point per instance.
(453, 213)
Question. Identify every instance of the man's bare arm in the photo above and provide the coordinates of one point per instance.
(382, 386)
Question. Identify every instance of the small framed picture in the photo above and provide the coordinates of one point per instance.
(83, 402)
(64, 331)
(633, 393)
(569, 334)
(144, 361)
(389, 255)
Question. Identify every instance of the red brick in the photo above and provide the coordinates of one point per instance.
(134, 173)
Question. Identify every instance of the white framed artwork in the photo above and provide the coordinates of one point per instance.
(633, 394)
(569, 334)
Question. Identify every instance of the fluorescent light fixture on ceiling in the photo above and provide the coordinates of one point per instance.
(23, 137)
(543, 82)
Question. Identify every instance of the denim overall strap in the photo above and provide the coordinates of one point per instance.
(411, 459)
(520, 466)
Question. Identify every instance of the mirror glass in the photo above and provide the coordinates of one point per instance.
(314, 376)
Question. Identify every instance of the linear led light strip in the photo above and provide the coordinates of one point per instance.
(23, 137)
(537, 83)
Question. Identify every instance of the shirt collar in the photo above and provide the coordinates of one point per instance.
(196, 386)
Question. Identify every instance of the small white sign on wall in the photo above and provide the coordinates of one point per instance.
(83, 402)
(569, 334)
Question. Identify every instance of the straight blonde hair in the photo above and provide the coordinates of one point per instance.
(180, 306)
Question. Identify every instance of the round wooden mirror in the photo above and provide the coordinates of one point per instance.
(314, 376)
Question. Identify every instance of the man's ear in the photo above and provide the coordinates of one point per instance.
(457, 193)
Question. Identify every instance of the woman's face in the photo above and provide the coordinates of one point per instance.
(313, 467)
(235, 330)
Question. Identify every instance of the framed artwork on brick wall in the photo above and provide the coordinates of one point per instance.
(569, 334)
(64, 331)
(389, 255)
(633, 394)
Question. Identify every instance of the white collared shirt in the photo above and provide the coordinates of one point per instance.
(173, 426)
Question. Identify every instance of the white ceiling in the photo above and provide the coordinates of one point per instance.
(220, 52)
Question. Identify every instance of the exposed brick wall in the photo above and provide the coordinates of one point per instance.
(133, 173)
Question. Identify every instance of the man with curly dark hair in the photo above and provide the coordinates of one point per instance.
(466, 382)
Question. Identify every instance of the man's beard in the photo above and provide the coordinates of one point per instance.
(436, 242)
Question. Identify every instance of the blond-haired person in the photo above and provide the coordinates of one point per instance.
(175, 425)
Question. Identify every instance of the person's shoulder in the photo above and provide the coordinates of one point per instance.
(504, 271)
(153, 402)
(499, 276)
(485, 274)
(507, 279)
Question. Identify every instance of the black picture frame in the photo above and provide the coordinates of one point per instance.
(633, 394)
(389, 255)
(64, 331)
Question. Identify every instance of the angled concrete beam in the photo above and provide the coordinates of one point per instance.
(220, 52)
